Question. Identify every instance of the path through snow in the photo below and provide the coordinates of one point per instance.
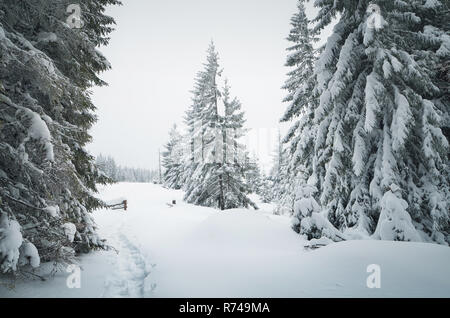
(130, 273)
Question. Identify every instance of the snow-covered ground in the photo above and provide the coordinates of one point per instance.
(190, 251)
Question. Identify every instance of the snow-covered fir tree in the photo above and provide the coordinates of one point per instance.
(266, 189)
(195, 140)
(216, 167)
(278, 161)
(47, 178)
(281, 179)
(394, 223)
(298, 144)
(173, 160)
(380, 118)
(252, 173)
(305, 204)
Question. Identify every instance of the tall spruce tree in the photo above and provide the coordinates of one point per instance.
(302, 100)
(380, 159)
(266, 189)
(252, 174)
(235, 166)
(215, 173)
(196, 127)
(47, 178)
(173, 160)
(282, 179)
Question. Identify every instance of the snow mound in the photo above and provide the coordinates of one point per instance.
(10, 241)
(242, 229)
(29, 255)
(39, 131)
(408, 269)
(70, 230)
(52, 210)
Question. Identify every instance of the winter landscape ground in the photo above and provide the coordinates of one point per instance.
(191, 251)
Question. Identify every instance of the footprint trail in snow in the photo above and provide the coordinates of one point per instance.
(131, 271)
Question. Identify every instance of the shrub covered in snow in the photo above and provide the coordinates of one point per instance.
(395, 223)
(304, 205)
(317, 226)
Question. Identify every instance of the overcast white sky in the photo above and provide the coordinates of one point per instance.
(156, 51)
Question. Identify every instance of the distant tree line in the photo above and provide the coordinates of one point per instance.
(108, 166)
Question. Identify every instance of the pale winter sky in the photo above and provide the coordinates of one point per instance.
(156, 51)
